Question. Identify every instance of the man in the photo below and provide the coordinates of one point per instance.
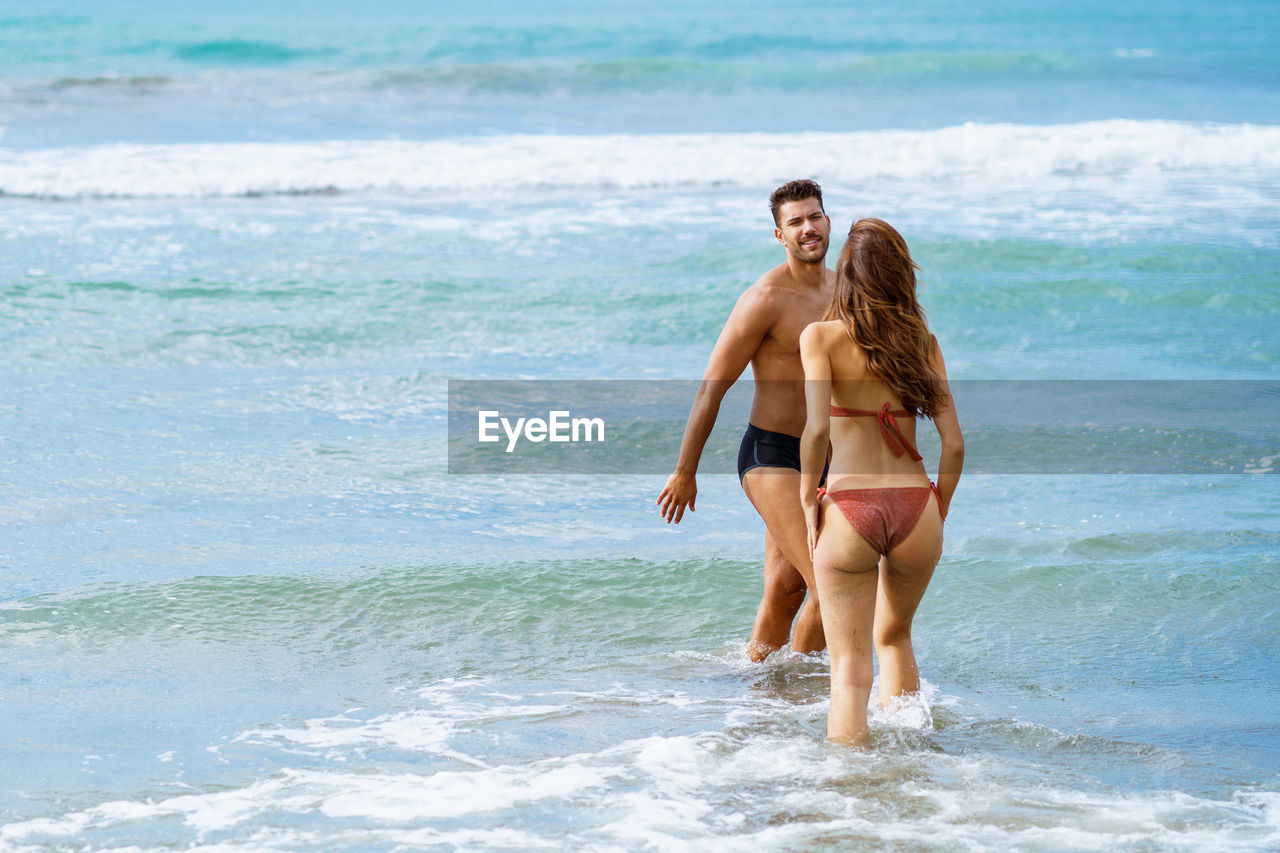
(763, 330)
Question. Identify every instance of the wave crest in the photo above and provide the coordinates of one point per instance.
(997, 154)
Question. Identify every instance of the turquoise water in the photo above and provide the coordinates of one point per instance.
(245, 606)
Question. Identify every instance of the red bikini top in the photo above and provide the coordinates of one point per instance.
(889, 429)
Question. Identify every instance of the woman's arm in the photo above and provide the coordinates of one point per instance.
(817, 424)
(951, 460)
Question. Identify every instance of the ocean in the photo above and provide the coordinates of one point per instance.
(248, 605)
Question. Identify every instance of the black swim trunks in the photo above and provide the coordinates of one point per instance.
(762, 448)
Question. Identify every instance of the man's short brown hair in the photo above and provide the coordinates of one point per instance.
(794, 191)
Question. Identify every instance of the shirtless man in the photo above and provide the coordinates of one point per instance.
(764, 330)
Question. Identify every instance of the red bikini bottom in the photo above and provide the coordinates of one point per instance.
(884, 517)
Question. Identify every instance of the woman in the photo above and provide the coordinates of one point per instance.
(872, 367)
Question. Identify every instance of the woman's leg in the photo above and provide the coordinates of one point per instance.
(903, 582)
(845, 572)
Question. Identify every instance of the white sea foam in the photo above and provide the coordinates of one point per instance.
(905, 712)
(420, 731)
(455, 709)
(690, 792)
(995, 154)
(376, 797)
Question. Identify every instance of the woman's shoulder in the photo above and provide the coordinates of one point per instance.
(831, 339)
(824, 331)
(817, 337)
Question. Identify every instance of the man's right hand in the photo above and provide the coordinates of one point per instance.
(680, 491)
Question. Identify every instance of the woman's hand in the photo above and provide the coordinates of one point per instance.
(811, 514)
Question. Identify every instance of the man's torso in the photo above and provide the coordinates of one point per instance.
(778, 401)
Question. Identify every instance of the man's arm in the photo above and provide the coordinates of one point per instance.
(739, 341)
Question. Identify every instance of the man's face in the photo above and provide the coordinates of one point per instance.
(804, 229)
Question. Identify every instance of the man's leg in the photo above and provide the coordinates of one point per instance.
(784, 591)
(775, 493)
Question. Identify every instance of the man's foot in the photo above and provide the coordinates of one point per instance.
(757, 652)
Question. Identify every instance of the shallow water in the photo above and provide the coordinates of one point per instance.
(246, 606)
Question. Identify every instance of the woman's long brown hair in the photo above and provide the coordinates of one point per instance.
(876, 299)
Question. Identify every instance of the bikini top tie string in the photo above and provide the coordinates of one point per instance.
(893, 435)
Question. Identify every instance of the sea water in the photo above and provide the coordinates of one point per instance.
(247, 245)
